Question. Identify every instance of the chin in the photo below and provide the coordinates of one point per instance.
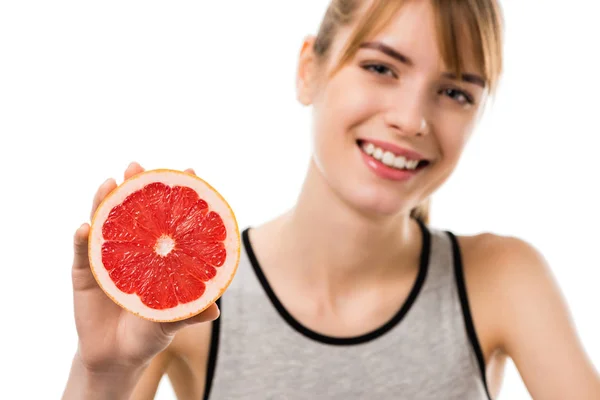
(375, 202)
(362, 194)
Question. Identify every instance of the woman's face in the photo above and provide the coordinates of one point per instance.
(389, 127)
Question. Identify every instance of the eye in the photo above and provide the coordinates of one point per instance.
(380, 69)
(459, 96)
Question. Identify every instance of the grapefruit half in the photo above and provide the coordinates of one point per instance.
(164, 245)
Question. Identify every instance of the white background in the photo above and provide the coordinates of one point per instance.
(87, 87)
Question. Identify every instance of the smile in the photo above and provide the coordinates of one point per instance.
(391, 159)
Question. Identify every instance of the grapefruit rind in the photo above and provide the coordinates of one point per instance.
(214, 287)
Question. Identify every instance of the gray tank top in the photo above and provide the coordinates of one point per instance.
(427, 351)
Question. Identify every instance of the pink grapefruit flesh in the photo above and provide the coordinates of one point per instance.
(164, 245)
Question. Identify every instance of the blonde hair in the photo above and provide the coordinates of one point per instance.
(480, 21)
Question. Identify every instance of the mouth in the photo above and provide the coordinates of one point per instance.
(391, 157)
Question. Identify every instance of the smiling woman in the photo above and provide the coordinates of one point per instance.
(413, 80)
(351, 293)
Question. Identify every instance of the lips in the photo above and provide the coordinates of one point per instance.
(391, 162)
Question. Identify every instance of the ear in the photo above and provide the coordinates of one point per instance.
(306, 78)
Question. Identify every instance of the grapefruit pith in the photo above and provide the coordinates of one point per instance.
(164, 245)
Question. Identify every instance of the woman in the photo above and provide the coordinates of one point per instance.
(350, 294)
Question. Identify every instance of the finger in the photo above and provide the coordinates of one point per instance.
(80, 244)
(133, 169)
(108, 186)
(190, 171)
(81, 272)
(210, 314)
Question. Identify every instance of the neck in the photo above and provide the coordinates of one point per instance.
(338, 246)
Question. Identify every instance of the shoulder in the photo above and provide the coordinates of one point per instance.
(510, 268)
(519, 311)
(501, 250)
(504, 262)
(500, 273)
(503, 275)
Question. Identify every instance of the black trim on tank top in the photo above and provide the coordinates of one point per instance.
(212, 355)
(466, 309)
(341, 341)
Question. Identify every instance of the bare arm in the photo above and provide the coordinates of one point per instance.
(108, 385)
(184, 361)
(147, 385)
(535, 326)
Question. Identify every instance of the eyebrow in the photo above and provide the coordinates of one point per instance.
(471, 78)
(388, 51)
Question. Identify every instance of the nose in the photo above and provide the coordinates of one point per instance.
(406, 114)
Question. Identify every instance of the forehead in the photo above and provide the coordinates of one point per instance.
(415, 31)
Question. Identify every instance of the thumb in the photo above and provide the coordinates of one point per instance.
(208, 315)
(81, 273)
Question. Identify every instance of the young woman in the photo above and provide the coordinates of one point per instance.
(351, 295)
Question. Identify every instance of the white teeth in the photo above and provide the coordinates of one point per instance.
(399, 162)
(388, 158)
(378, 153)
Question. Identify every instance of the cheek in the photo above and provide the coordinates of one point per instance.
(452, 138)
(345, 104)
